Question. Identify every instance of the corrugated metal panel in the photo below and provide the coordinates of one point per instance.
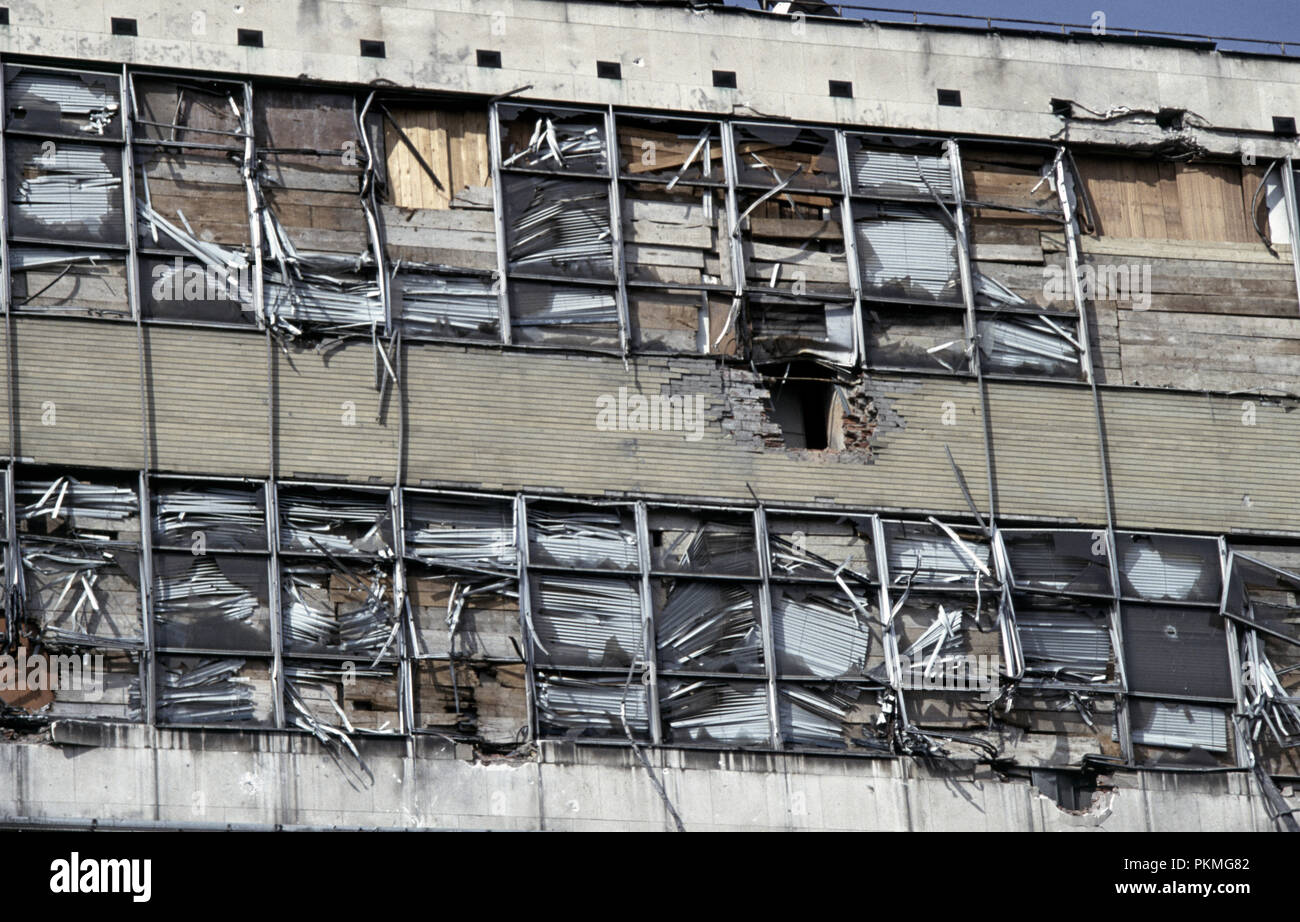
(470, 413)
(207, 401)
(1171, 651)
(1179, 726)
(332, 421)
(899, 172)
(1046, 451)
(87, 375)
(1192, 460)
(908, 251)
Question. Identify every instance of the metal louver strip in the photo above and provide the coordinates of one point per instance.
(895, 171)
(907, 249)
(1179, 726)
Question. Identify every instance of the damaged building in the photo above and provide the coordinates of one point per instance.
(646, 415)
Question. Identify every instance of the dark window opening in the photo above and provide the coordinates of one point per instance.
(1071, 790)
(488, 58)
(1062, 108)
(950, 97)
(250, 38)
(1170, 119)
(1284, 127)
(841, 89)
(801, 400)
(610, 70)
(123, 26)
(725, 79)
(4, 15)
(372, 49)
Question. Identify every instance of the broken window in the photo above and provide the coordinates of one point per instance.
(785, 156)
(316, 191)
(587, 620)
(582, 537)
(825, 632)
(676, 233)
(711, 711)
(801, 298)
(1178, 734)
(81, 557)
(908, 338)
(1176, 651)
(681, 320)
(1264, 600)
(900, 168)
(1169, 567)
(329, 699)
(198, 516)
(485, 702)
(1075, 562)
(559, 227)
(439, 226)
(214, 690)
(462, 593)
(212, 602)
(821, 548)
(706, 543)
(834, 716)
(434, 306)
(192, 142)
(708, 626)
(333, 521)
(591, 706)
(1065, 639)
(66, 221)
(932, 554)
(554, 140)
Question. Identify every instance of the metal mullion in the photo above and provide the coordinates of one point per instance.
(888, 637)
(851, 248)
(1232, 638)
(1122, 725)
(499, 216)
(1064, 182)
(651, 646)
(616, 228)
(525, 611)
(729, 169)
(405, 684)
(149, 689)
(1293, 217)
(6, 298)
(272, 503)
(769, 637)
(14, 559)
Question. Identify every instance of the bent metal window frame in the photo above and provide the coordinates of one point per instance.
(643, 570)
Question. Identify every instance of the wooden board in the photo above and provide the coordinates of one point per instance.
(454, 145)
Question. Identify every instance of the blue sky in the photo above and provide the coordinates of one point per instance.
(1268, 19)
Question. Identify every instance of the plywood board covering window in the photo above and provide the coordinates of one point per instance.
(1149, 199)
(452, 143)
